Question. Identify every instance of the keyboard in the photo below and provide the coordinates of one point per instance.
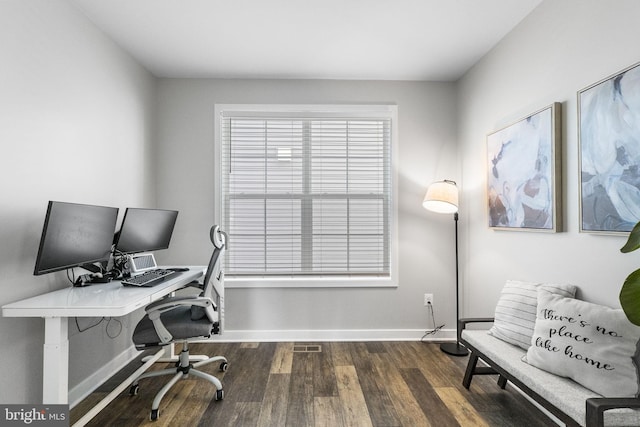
(148, 278)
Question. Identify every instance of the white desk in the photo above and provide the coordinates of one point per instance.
(104, 299)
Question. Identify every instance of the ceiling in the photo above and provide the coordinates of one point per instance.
(431, 40)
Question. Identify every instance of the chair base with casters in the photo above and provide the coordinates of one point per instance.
(183, 319)
(181, 371)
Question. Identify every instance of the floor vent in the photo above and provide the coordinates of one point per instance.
(307, 348)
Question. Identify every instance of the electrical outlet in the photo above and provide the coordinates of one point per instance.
(428, 299)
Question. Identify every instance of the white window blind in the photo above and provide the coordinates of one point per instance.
(306, 195)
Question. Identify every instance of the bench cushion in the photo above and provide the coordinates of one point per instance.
(567, 395)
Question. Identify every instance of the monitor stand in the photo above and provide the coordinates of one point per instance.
(95, 276)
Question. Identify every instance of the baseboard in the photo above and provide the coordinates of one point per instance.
(99, 377)
(334, 335)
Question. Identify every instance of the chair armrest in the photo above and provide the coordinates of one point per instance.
(462, 323)
(195, 284)
(171, 302)
(155, 310)
(168, 302)
(596, 407)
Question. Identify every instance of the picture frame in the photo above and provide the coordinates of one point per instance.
(524, 173)
(609, 153)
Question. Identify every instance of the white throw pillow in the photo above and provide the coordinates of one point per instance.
(515, 314)
(594, 345)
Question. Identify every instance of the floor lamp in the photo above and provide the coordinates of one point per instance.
(442, 197)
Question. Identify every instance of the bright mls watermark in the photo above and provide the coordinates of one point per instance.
(34, 415)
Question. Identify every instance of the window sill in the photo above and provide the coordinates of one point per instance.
(297, 282)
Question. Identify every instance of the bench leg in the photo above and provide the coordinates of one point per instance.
(502, 381)
(471, 367)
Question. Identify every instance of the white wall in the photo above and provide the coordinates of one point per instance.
(560, 48)
(75, 125)
(426, 152)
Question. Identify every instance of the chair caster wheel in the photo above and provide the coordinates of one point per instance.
(224, 366)
(219, 394)
(133, 391)
(155, 413)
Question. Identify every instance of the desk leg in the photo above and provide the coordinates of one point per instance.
(55, 373)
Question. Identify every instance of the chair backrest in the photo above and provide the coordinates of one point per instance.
(214, 277)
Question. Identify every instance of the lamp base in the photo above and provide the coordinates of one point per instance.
(454, 349)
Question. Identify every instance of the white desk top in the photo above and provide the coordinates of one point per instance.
(101, 299)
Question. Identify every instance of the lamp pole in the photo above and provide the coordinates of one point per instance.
(442, 197)
(455, 349)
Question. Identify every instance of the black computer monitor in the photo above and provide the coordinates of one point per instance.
(145, 230)
(75, 235)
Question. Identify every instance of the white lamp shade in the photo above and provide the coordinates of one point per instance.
(442, 197)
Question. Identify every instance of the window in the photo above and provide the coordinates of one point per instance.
(306, 194)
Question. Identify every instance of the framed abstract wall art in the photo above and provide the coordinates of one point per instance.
(523, 173)
(609, 139)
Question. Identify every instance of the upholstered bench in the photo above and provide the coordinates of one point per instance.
(564, 353)
(570, 402)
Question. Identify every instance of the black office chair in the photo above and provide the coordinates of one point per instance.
(175, 319)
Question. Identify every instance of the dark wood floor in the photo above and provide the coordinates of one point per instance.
(343, 384)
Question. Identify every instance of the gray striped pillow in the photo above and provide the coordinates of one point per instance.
(516, 310)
